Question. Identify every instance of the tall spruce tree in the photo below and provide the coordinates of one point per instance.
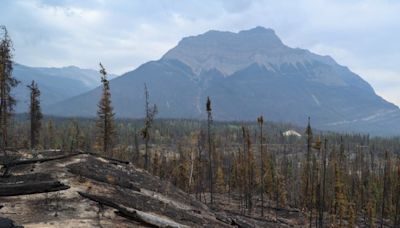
(35, 114)
(7, 82)
(105, 123)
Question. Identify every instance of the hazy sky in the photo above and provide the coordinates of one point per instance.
(363, 35)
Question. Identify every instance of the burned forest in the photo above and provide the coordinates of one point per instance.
(108, 170)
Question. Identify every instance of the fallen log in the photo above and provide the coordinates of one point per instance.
(31, 188)
(241, 223)
(130, 178)
(25, 178)
(97, 176)
(8, 165)
(130, 213)
(290, 210)
(98, 170)
(284, 221)
(39, 160)
(114, 160)
(221, 216)
(260, 219)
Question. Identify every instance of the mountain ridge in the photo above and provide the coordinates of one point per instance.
(257, 44)
(246, 74)
(56, 83)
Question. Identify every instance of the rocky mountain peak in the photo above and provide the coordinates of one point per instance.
(229, 52)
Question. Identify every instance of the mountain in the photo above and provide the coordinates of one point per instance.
(246, 74)
(55, 84)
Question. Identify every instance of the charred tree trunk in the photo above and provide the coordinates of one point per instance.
(322, 202)
(210, 159)
(31, 188)
(260, 121)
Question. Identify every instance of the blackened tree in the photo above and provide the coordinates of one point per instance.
(148, 122)
(35, 114)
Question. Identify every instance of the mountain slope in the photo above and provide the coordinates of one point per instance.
(246, 74)
(56, 84)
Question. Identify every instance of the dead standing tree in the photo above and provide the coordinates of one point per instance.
(260, 121)
(322, 201)
(397, 202)
(308, 197)
(200, 165)
(148, 122)
(209, 138)
(247, 169)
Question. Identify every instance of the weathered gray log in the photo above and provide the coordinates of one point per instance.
(31, 188)
(133, 214)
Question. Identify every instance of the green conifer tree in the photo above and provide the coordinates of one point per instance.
(35, 114)
(105, 122)
(7, 82)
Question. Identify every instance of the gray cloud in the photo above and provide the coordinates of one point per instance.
(123, 34)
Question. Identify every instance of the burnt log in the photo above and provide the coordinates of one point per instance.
(30, 177)
(221, 216)
(38, 160)
(31, 188)
(130, 213)
(100, 174)
(9, 164)
(130, 178)
(241, 223)
(111, 160)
